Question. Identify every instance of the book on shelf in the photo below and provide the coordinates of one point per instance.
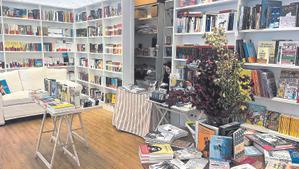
(113, 82)
(203, 135)
(288, 85)
(189, 22)
(113, 9)
(21, 12)
(22, 46)
(81, 32)
(264, 84)
(288, 52)
(58, 15)
(267, 51)
(289, 16)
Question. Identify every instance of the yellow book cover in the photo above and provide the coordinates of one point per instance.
(113, 99)
(284, 124)
(263, 55)
(151, 149)
(62, 105)
(294, 127)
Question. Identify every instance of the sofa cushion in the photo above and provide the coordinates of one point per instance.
(32, 79)
(58, 74)
(20, 97)
(4, 88)
(22, 110)
(13, 80)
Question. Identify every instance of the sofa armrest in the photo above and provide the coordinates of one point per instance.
(2, 121)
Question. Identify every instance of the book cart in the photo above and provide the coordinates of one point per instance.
(194, 37)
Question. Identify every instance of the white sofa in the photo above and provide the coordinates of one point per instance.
(19, 103)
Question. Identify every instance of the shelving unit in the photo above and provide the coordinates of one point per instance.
(12, 56)
(125, 58)
(284, 106)
(125, 39)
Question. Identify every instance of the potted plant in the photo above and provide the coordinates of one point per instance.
(220, 87)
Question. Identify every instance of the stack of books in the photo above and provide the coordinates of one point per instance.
(155, 153)
(173, 130)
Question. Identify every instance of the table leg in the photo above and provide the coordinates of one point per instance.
(162, 118)
(41, 132)
(56, 142)
(70, 138)
(83, 130)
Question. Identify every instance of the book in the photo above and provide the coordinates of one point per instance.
(282, 156)
(181, 144)
(4, 89)
(151, 153)
(158, 138)
(220, 148)
(294, 154)
(266, 52)
(271, 120)
(288, 52)
(284, 124)
(203, 135)
(188, 153)
(244, 166)
(255, 114)
(289, 15)
(214, 164)
(173, 130)
(175, 163)
(197, 163)
(273, 141)
(276, 165)
(238, 144)
(252, 151)
(294, 127)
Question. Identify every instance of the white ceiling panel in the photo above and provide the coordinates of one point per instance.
(60, 3)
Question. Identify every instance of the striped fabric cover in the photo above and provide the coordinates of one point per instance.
(132, 112)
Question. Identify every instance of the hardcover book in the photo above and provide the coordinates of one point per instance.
(221, 148)
(272, 120)
(266, 52)
(288, 51)
(255, 114)
(214, 164)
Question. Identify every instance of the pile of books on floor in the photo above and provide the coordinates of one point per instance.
(224, 147)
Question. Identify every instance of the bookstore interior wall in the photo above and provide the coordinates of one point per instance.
(265, 43)
(89, 41)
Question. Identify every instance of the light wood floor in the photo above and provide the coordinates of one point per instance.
(108, 148)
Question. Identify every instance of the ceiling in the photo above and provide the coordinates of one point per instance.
(61, 3)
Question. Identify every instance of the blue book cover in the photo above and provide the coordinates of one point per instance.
(246, 51)
(221, 148)
(295, 156)
(4, 87)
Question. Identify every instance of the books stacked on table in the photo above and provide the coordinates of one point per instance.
(155, 153)
(57, 106)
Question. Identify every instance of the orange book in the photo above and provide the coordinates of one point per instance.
(204, 132)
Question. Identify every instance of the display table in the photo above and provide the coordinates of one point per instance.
(132, 112)
(59, 117)
(163, 109)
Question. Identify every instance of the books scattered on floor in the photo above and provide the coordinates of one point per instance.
(155, 153)
(172, 164)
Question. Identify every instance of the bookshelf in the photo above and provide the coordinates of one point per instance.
(284, 106)
(53, 30)
(107, 47)
(27, 28)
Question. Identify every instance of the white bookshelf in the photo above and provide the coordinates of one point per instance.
(125, 39)
(274, 104)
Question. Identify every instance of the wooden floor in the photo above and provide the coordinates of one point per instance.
(108, 148)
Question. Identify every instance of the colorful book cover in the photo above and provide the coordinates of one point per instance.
(272, 120)
(4, 89)
(204, 133)
(263, 55)
(270, 51)
(294, 127)
(255, 114)
(295, 156)
(221, 148)
(238, 144)
(288, 52)
(151, 149)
